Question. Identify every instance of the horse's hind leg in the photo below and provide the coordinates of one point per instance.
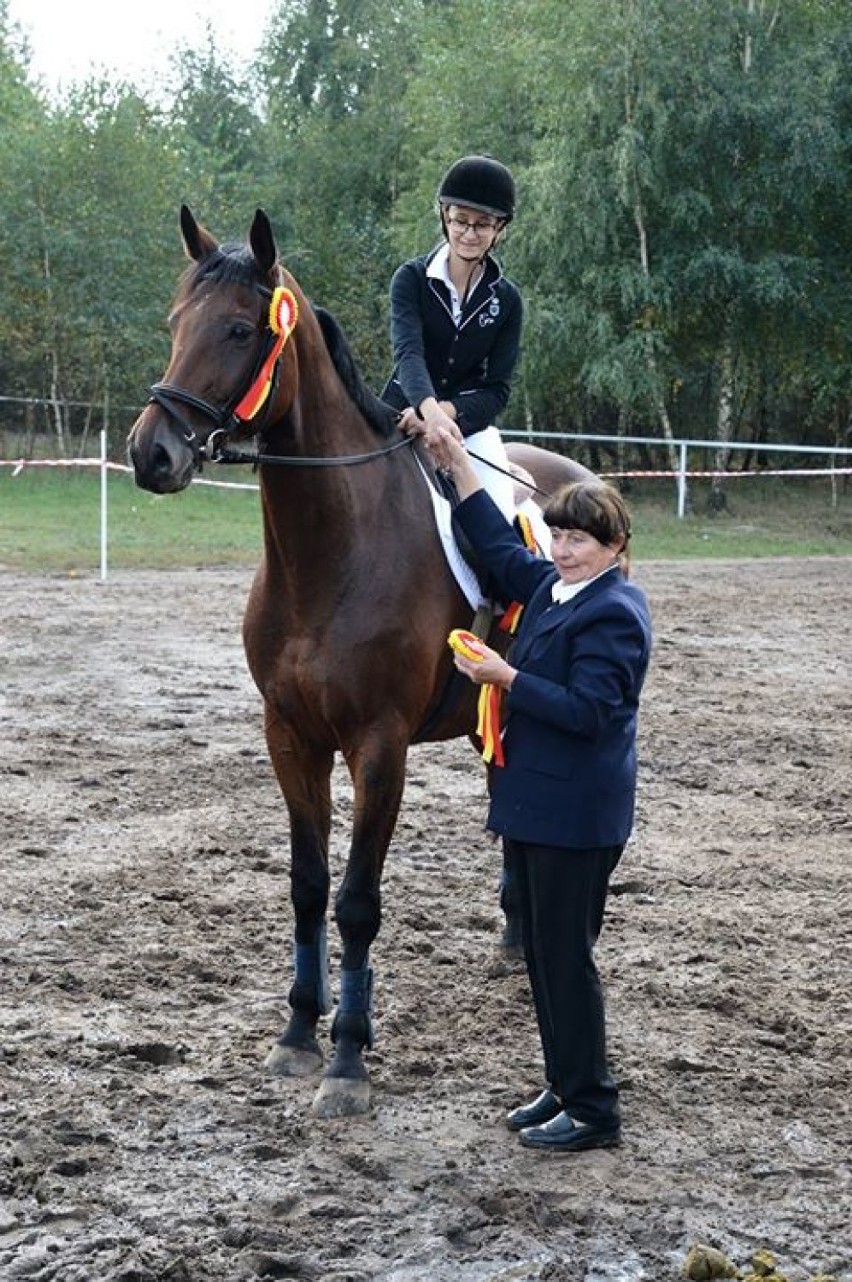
(378, 774)
(305, 782)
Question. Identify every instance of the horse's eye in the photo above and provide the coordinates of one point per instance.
(241, 332)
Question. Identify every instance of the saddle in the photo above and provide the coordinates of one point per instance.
(445, 485)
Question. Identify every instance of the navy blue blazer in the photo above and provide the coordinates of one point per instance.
(570, 731)
(470, 364)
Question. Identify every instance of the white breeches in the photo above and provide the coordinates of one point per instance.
(488, 444)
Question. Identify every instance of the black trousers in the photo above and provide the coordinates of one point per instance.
(561, 895)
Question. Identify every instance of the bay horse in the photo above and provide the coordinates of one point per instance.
(346, 625)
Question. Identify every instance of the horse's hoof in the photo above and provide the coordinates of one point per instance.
(341, 1097)
(293, 1061)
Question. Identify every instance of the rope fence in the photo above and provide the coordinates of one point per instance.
(681, 476)
(104, 466)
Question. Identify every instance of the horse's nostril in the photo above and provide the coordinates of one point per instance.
(158, 468)
(161, 461)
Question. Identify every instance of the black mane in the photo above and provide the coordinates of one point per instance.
(381, 417)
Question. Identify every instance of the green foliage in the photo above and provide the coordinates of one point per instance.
(87, 320)
(219, 133)
(683, 231)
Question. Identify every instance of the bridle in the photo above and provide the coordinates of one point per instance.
(251, 402)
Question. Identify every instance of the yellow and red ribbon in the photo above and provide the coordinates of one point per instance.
(283, 314)
(489, 703)
(488, 723)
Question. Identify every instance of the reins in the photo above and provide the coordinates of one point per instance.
(225, 455)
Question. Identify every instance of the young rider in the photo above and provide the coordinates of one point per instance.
(456, 324)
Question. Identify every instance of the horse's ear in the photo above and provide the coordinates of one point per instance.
(262, 242)
(197, 242)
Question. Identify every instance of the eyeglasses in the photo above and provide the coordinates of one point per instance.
(462, 226)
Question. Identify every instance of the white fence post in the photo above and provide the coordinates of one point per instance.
(104, 476)
(681, 482)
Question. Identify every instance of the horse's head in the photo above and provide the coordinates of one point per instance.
(230, 323)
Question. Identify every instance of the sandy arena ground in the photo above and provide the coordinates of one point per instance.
(145, 938)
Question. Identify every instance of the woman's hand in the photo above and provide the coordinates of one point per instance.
(492, 668)
(448, 450)
(431, 420)
(449, 453)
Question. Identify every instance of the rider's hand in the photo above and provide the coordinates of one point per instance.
(410, 422)
(431, 421)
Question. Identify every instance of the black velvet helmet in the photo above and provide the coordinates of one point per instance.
(479, 182)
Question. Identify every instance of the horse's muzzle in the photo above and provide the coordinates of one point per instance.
(163, 459)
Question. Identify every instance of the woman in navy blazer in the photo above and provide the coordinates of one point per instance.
(564, 799)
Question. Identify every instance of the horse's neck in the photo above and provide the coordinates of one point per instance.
(318, 518)
(334, 520)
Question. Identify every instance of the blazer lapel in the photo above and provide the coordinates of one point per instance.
(547, 614)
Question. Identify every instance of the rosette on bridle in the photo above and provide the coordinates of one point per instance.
(281, 321)
(283, 314)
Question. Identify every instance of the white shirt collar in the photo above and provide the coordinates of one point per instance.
(437, 265)
(439, 269)
(562, 592)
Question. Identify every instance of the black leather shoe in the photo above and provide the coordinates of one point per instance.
(540, 1110)
(562, 1134)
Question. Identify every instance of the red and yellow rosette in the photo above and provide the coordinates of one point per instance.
(283, 314)
(489, 705)
(465, 643)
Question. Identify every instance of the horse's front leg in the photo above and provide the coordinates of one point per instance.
(305, 778)
(378, 776)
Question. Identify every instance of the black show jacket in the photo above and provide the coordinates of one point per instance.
(470, 364)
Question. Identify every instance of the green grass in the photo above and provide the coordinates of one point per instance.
(50, 522)
(764, 517)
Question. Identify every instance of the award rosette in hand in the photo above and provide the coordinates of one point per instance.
(465, 643)
(488, 719)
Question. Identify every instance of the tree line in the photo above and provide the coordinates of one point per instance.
(683, 231)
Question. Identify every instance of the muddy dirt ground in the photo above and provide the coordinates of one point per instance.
(145, 931)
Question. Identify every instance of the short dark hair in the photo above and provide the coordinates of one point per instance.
(593, 507)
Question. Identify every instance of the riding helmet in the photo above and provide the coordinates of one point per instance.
(479, 182)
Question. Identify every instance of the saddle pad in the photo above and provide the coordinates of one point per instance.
(462, 573)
